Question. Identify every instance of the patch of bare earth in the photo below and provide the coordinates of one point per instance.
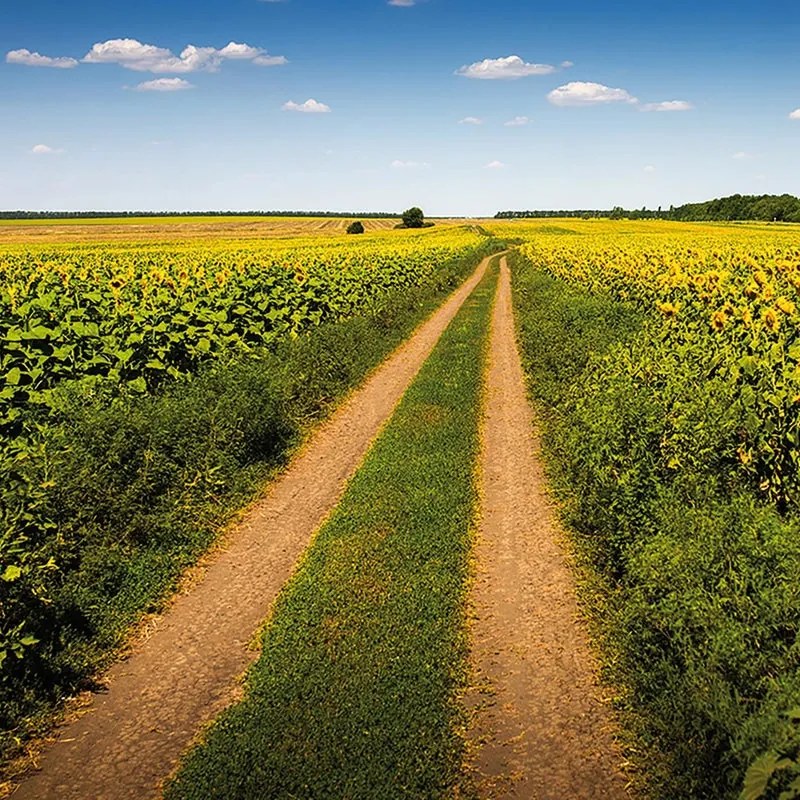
(188, 670)
(541, 730)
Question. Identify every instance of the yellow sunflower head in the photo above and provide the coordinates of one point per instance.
(770, 318)
(786, 305)
(668, 309)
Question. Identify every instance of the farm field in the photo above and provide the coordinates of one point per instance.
(663, 359)
(154, 385)
(142, 404)
(171, 229)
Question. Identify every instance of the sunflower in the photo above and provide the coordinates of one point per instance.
(668, 309)
(786, 305)
(771, 319)
(718, 320)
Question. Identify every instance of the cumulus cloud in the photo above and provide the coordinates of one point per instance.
(795, 114)
(668, 105)
(165, 85)
(517, 122)
(586, 93)
(310, 106)
(509, 68)
(243, 51)
(471, 121)
(134, 55)
(495, 165)
(650, 168)
(742, 155)
(44, 150)
(397, 164)
(402, 3)
(29, 59)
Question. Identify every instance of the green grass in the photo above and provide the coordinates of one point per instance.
(125, 493)
(354, 695)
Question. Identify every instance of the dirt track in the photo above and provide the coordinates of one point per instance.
(187, 671)
(546, 734)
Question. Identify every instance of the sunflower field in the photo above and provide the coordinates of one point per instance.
(665, 359)
(147, 391)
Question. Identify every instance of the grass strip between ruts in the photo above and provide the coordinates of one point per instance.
(354, 694)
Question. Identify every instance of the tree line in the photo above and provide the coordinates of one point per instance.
(128, 214)
(764, 207)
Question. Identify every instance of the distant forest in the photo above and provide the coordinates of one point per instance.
(129, 214)
(764, 207)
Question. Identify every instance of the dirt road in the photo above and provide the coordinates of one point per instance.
(545, 733)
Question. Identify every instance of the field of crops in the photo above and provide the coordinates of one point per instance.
(666, 362)
(146, 392)
(150, 385)
(724, 294)
(154, 230)
(138, 315)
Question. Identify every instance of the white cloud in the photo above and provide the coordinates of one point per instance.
(650, 168)
(29, 59)
(310, 106)
(397, 164)
(44, 150)
(471, 121)
(403, 3)
(509, 68)
(668, 105)
(567, 64)
(795, 114)
(270, 61)
(583, 93)
(495, 165)
(132, 54)
(517, 122)
(240, 51)
(742, 155)
(164, 85)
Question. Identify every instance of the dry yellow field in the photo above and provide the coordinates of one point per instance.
(156, 230)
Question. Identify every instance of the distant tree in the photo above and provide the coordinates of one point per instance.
(355, 227)
(413, 218)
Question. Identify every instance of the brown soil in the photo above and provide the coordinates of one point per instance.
(541, 729)
(188, 670)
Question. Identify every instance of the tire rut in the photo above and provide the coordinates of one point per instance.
(541, 730)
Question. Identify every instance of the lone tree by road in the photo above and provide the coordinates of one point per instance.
(355, 227)
(413, 218)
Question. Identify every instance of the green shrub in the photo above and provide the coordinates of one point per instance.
(413, 218)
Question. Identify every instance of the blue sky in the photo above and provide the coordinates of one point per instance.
(618, 103)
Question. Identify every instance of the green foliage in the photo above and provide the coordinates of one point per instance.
(413, 217)
(353, 693)
(106, 500)
(766, 207)
(769, 207)
(355, 227)
(143, 317)
(695, 567)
